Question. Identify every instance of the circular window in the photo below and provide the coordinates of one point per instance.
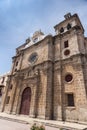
(66, 52)
(33, 57)
(68, 78)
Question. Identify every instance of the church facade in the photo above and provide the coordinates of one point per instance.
(48, 78)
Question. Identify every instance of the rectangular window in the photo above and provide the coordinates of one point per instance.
(7, 99)
(70, 100)
(66, 44)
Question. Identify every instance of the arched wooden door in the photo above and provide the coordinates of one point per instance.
(25, 101)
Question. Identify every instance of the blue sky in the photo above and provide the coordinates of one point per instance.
(19, 19)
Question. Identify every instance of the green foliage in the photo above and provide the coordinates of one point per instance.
(35, 127)
(61, 129)
(64, 129)
(41, 127)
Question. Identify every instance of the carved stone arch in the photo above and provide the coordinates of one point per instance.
(24, 86)
(31, 86)
(27, 85)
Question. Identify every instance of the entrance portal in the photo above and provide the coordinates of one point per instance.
(25, 102)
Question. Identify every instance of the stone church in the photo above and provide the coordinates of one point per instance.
(48, 79)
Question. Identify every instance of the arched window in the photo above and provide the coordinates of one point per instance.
(61, 30)
(16, 63)
(15, 70)
(68, 26)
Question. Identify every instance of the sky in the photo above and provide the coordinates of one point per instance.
(19, 19)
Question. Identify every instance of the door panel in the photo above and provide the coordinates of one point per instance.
(25, 102)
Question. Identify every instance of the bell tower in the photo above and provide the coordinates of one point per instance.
(69, 76)
(72, 33)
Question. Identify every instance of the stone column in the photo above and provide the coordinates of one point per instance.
(34, 98)
(16, 98)
(49, 94)
(15, 81)
(33, 106)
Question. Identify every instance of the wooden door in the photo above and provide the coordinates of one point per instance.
(25, 101)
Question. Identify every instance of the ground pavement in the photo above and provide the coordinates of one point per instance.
(21, 122)
(11, 125)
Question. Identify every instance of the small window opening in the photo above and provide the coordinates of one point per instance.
(15, 70)
(66, 44)
(16, 63)
(70, 100)
(68, 26)
(62, 30)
